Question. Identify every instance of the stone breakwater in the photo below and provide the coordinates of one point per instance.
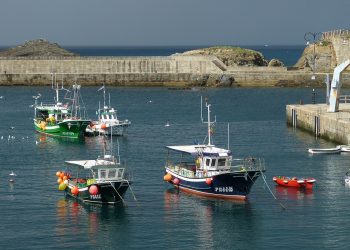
(149, 71)
(90, 70)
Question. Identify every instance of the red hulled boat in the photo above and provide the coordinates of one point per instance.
(306, 183)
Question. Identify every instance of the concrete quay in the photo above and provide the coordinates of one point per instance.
(315, 119)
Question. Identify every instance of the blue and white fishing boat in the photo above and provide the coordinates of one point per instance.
(211, 171)
(107, 118)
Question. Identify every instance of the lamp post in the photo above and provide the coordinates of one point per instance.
(312, 37)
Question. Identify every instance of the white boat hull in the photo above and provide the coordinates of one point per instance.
(117, 129)
(335, 150)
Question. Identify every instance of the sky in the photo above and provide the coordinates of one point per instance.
(169, 22)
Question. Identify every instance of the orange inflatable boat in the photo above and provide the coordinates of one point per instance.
(295, 182)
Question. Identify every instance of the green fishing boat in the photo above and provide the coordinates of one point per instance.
(61, 120)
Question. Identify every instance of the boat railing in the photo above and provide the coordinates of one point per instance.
(248, 164)
(52, 105)
(129, 175)
(184, 168)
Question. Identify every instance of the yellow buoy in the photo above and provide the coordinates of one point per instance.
(62, 186)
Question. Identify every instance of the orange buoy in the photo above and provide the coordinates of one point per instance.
(93, 190)
(61, 175)
(65, 177)
(103, 126)
(167, 177)
(176, 181)
(75, 190)
(59, 180)
(58, 173)
(209, 181)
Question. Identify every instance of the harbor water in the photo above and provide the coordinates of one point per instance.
(35, 215)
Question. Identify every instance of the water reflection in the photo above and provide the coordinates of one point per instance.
(86, 219)
(42, 138)
(291, 193)
(211, 222)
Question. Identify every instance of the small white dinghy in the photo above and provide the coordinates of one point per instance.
(345, 148)
(335, 150)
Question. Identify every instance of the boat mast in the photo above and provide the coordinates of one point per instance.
(104, 96)
(57, 95)
(75, 104)
(54, 85)
(209, 123)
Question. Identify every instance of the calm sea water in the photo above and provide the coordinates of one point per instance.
(35, 215)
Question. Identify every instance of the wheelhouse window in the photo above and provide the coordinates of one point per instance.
(120, 173)
(207, 162)
(213, 162)
(102, 174)
(112, 173)
(222, 162)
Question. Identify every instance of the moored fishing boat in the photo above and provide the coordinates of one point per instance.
(295, 182)
(107, 118)
(211, 171)
(103, 180)
(61, 120)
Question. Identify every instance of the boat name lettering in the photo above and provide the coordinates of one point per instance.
(224, 189)
(68, 133)
(95, 197)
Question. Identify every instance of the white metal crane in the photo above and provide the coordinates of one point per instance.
(333, 105)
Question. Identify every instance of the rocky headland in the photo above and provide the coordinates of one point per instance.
(37, 48)
(234, 56)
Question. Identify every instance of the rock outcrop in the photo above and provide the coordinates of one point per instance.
(231, 56)
(275, 63)
(37, 48)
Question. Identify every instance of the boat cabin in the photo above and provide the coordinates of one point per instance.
(108, 115)
(51, 113)
(96, 171)
(200, 160)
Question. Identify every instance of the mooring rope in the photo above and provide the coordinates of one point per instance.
(132, 192)
(273, 195)
(117, 193)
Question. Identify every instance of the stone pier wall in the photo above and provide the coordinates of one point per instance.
(331, 126)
